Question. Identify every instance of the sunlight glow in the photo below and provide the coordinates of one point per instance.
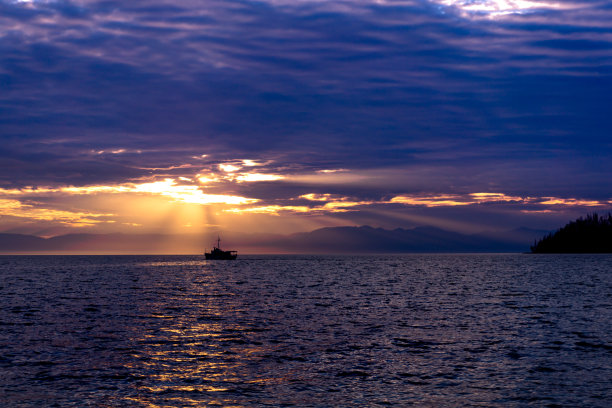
(316, 197)
(229, 168)
(168, 188)
(258, 177)
(189, 194)
(179, 202)
(208, 179)
(251, 163)
(332, 170)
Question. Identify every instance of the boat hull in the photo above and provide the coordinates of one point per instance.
(222, 255)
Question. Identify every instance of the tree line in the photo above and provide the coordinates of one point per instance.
(591, 234)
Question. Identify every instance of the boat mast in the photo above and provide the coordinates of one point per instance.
(218, 242)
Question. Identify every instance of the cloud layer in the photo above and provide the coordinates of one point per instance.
(366, 100)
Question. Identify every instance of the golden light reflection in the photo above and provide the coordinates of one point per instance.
(191, 342)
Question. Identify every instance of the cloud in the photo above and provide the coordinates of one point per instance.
(132, 205)
(500, 8)
(31, 212)
(258, 177)
(168, 188)
(362, 99)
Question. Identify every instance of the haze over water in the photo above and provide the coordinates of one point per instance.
(428, 330)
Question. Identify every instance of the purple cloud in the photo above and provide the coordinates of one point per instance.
(430, 95)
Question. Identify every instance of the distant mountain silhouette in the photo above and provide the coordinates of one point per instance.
(421, 239)
(592, 234)
(17, 242)
(116, 243)
(364, 239)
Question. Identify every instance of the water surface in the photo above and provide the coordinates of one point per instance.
(508, 330)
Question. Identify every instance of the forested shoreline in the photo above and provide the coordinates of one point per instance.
(591, 234)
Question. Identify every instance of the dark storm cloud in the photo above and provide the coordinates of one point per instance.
(517, 103)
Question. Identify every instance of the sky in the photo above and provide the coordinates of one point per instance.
(290, 115)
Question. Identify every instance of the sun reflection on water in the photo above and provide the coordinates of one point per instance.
(193, 345)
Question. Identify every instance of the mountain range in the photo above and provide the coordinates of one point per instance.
(364, 239)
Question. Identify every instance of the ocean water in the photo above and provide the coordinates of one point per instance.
(508, 330)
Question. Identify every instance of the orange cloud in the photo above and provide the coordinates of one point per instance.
(331, 205)
(443, 200)
(495, 197)
(258, 177)
(15, 208)
(316, 197)
(252, 163)
(229, 168)
(188, 193)
(269, 209)
(332, 170)
(480, 198)
(571, 202)
(179, 201)
(167, 188)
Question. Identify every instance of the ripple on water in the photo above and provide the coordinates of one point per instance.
(423, 330)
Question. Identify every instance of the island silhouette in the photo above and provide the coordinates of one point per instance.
(591, 234)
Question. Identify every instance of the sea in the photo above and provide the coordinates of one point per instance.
(417, 330)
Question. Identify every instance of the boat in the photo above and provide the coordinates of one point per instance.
(218, 253)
